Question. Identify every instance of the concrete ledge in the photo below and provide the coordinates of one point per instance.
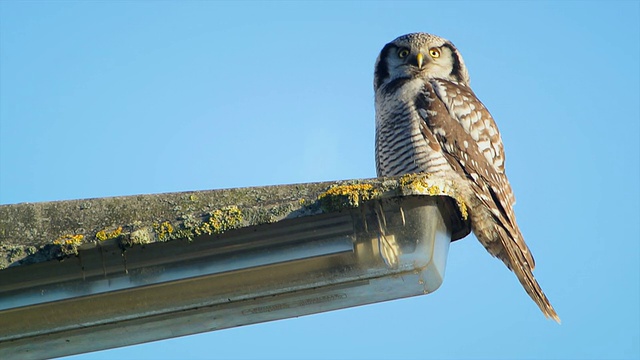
(37, 232)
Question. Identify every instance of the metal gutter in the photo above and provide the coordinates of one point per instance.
(334, 245)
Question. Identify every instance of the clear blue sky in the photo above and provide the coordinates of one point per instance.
(107, 98)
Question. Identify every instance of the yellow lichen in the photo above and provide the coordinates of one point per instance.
(407, 179)
(347, 196)
(420, 183)
(463, 207)
(72, 240)
(103, 235)
(68, 244)
(163, 230)
(221, 220)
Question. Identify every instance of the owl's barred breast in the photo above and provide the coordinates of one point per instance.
(401, 147)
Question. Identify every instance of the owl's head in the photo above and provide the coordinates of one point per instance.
(419, 55)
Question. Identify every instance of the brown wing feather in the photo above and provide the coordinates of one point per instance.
(461, 148)
(476, 121)
(488, 183)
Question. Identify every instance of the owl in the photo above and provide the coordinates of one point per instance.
(429, 120)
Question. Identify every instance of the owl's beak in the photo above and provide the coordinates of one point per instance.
(419, 60)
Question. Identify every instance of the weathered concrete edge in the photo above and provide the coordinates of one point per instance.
(36, 232)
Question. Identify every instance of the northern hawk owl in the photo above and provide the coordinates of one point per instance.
(429, 120)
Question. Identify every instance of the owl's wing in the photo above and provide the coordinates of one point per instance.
(457, 122)
(475, 119)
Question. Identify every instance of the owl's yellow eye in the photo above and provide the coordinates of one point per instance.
(434, 53)
(403, 53)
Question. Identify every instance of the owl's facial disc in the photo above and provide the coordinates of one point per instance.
(419, 55)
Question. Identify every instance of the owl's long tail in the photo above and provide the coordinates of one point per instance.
(524, 271)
